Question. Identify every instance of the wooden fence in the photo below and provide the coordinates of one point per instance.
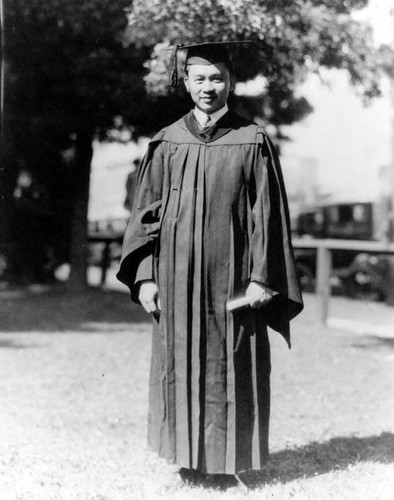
(324, 248)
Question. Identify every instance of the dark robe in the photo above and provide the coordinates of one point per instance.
(210, 215)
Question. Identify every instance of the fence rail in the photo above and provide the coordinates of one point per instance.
(324, 248)
(380, 247)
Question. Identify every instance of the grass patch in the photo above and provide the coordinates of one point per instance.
(73, 393)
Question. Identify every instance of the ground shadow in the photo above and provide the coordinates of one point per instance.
(374, 342)
(57, 308)
(320, 458)
(307, 461)
(10, 344)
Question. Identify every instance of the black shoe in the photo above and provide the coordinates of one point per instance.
(191, 476)
(220, 481)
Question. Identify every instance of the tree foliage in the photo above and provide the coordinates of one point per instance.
(73, 65)
(290, 39)
(66, 59)
(68, 73)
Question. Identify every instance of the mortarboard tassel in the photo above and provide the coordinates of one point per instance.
(173, 70)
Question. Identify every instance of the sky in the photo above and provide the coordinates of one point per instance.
(378, 14)
(346, 141)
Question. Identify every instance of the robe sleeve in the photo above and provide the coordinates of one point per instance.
(142, 231)
(271, 253)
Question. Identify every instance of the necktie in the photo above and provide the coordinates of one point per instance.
(207, 124)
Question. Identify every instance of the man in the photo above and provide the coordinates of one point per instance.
(131, 182)
(210, 223)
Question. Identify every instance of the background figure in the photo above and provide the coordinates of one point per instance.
(211, 223)
(131, 183)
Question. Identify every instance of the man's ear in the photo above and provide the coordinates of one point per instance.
(186, 82)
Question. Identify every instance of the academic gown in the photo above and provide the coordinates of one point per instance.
(210, 215)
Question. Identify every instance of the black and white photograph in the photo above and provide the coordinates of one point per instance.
(197, 250)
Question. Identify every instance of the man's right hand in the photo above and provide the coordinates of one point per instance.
(149, 297)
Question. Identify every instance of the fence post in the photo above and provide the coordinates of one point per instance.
(324, 264)
(105, 261)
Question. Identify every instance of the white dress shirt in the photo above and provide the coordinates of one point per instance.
(202, 117)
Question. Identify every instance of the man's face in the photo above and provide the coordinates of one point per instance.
(209, 86)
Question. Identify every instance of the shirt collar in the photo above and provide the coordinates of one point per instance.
(202, 117)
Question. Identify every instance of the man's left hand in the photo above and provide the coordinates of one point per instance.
(258, 295)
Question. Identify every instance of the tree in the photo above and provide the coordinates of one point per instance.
(73, 65)
(69, 73)
(289, 40)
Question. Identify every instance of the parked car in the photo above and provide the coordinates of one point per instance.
(354, 274)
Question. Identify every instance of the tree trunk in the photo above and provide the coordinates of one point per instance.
(79, 228)
(8, 174)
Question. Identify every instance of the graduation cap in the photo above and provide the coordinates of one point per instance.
(206, 53)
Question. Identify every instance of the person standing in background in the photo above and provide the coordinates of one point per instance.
(131, 183)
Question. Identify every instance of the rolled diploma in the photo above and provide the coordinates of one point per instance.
(241, 302)
(237, 303)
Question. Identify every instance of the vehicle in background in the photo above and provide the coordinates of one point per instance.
(355, 274)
